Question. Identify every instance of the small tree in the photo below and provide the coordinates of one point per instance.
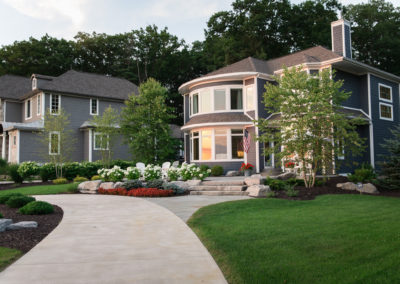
(312, 127)
(107, 126)
(145, 124)
(57, 139)
(390, 168)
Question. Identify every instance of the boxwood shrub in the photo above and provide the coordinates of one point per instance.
(132, 184)
(217, 171)
(60, 181)
(14, 174)
(80, 179)
(37, 208)
(5, 197)
(19, 201)
(156, 183)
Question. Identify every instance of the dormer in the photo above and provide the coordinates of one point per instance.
(341, 37)
(39, 80)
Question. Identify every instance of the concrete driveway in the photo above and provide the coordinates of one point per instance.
(115, 239)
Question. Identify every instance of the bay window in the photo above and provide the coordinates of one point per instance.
(195, 146)
(219, 99)
(236, 99)
(195, 103)
(206, 145)
(205, 101)
(221, 144)
(237, 143)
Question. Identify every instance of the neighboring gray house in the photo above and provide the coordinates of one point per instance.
(219, 106)
(23, 102)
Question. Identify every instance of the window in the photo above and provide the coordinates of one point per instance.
(54, 143)
(206, 145)
(101, 141)
(94, 106)
(34, 83)
(249, 98)
(28, 109)
(236, 99)
(386, 111)
(195, 146)
(341, 153)
(221, 145)
(219, 99)
(206, 101)
(385, 93)
(237, 143)
(55, 104)
(195, 103)
(313, 72)
(38, 104)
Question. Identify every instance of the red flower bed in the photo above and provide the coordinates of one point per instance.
(138, 192)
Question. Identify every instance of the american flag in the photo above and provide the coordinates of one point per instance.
(246, 141)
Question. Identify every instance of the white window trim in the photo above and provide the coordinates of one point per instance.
(228, 145)
(94, 142)
(252, 86)
(97, 107)
(34, 84)
(26, 109)
(391, 92)
(38, 104)
(51, 133)
(51, 104)
(391, 109)
(227, 89)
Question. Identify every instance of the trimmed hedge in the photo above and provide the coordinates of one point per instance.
(60, 181)
(217, 171)
(19, 201)
(13, 172)
(37, 208)
(4, 198)
(80, 179)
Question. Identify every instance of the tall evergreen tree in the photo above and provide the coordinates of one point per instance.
(390, 168)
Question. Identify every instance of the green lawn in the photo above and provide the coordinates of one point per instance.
(39, 189)
(333, 239)
(7, 256)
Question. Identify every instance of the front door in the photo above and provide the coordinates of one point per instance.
(269, 158)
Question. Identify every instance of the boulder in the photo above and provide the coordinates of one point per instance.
(253, 181)
(182, 184)
(339, 185)
(22, 225)
(369, 188)
(286, 176)
(4, 223)
(258, 190)
(119, 185)
(232, 174)
(89, 186)
(107, 185)
(193, 182)
(349, 186)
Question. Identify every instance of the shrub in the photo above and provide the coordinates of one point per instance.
(113, 191)
(96, 177)
(27, 169)
(217, 171)
(71, 170)
(37, 208)
(3, 166)
(320, 182)
(80, 179)
(173, 174)
(73, 188)
(271, 194)
(89, 169)
(152, 172)
(60, 181)
(175, 188)
(132, 173)
(13, 172)
(290, 191)
(157, 183)
(5, 197)
(115, 174)
(47, 172)
(365, 174)
(122, 164)
(132, 184)
(1, 215)
(204, 168)
(295, 182)
(188, 171)
(275, 184)
(19, 201)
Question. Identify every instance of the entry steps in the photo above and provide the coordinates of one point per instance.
(219, 187)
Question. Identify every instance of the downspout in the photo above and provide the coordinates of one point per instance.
(90, 145)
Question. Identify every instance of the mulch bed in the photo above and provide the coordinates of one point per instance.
(25, 239)
(330, 188)
(13, 185)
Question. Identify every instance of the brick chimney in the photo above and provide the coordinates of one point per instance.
(341, 37)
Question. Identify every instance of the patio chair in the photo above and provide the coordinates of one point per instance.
(141, 167)
(175, 164)
(164, 169)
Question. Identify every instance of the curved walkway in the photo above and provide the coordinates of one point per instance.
(114, 239)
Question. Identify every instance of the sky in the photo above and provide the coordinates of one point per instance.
(187, 19)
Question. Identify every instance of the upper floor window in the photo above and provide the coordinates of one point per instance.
(38, 103)
(385, 93)
(34, 83)
(215, 99)
(28, 109)
(54, 104)
(386, 111)
(94, 107)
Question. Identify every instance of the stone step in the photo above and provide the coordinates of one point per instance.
(218, 193)
(217, 188)
(223, 182)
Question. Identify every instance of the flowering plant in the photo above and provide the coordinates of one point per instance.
(27, 169)
(246, 167)
(138, 192)
(115, 174)
(289, 165)
(152, 172)
(173, 173)
(132, 173)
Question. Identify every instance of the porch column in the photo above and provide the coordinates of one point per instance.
(3, 146)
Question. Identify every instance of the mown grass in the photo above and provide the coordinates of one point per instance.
(332, 239)
(7, 256)
(39, 189)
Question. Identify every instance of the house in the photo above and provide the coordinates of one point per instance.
(219, 106)
(24, 101)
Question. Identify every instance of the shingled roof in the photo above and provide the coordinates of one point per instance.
(311, 55)
(14, 87)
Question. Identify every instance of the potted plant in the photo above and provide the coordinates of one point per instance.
(247, 169)
(290, 165)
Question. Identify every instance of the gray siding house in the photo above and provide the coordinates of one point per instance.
(219, 106)
(24, 101)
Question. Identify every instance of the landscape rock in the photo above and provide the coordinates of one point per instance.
(182, 184)
(22, 225)
(193, 182)
(4, 223)
(107, 185)
(253, 181)
(339, 185)
(286, 176)
(349, 186)
(232, 174)
(369, 188)
(259, 190)
(119, 185)
(89, 186)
